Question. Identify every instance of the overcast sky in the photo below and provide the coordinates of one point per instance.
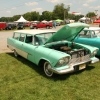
(9, 8)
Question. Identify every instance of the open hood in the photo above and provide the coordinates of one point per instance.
(68, 32)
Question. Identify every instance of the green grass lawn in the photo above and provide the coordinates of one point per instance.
(22, 80)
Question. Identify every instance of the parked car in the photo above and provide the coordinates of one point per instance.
(90, 36)
(58, 23)
(41, 25)
(27, 24)
(10, 26)
(32, 25)
(3, 25)
(21, 26)
(54, 51)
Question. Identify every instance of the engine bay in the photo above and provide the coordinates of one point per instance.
(72, 49)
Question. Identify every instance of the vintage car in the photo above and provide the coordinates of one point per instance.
(90, 36)
(54, 51)
(41, 25)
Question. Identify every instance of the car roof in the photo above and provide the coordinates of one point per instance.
(93, 28)
(34, 31)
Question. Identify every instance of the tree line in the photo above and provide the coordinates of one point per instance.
(59, 12)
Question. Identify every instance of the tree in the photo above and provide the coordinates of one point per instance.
(16, 17)
(60, 11)
(35, 16)
(46, 15)
(90, 14)
(31, 16)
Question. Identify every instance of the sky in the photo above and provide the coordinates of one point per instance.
(9, 8)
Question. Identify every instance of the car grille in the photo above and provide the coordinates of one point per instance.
(79, 59)
(79, 56)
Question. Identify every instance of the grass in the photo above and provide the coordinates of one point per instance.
(22, 80)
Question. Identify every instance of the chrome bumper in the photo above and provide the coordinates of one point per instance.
(94, 60)
(75, 62)
(70, 69)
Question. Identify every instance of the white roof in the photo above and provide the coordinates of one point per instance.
(21, 19)
(93, 28)
(44, 21)
(35, 31)
(84, 18)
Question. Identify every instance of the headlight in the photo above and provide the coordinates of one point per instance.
(63, 61)
(94, 52)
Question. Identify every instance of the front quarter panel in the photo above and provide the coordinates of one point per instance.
(49, 55)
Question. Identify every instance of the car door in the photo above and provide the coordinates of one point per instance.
(20, 46)
(29, 47)
(43, 25)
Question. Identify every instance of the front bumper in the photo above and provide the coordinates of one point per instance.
(94, 60)
(74, 65)
(72, 68)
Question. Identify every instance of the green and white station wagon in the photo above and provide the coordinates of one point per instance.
(54, 51)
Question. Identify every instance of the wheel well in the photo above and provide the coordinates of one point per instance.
(41, 62)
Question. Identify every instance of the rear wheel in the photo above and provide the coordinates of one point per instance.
(47, 66)
(47, 27)
(15, 53)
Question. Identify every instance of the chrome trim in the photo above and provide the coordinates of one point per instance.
(70, 69)
(95, 60)
(77, 60)
(73, 62)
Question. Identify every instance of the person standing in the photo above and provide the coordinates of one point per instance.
(54, 24)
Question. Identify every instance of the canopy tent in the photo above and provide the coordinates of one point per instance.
(84, 18)
(59, 20)
(50, 21)
(44, 21)
(21, 19)
(35, 21)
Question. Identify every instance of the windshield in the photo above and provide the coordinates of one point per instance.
(97, 33)
(40, 39)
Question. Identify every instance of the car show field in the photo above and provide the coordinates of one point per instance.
(23, 80)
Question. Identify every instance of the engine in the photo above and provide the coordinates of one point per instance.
(74, 51)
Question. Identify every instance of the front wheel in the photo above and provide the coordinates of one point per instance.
(47, 66)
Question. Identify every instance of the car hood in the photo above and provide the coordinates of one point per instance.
(67, 32)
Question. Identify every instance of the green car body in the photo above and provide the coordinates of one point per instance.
(90, 36)
(54, 51)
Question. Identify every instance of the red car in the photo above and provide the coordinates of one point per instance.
(3, 25)
(41, 25)
(27, 24)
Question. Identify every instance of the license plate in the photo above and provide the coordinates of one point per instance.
(82, 66)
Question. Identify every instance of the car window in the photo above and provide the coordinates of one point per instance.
(41, 38)
(16, 36)
(29, 39)
(22, 37)
(85, 34)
